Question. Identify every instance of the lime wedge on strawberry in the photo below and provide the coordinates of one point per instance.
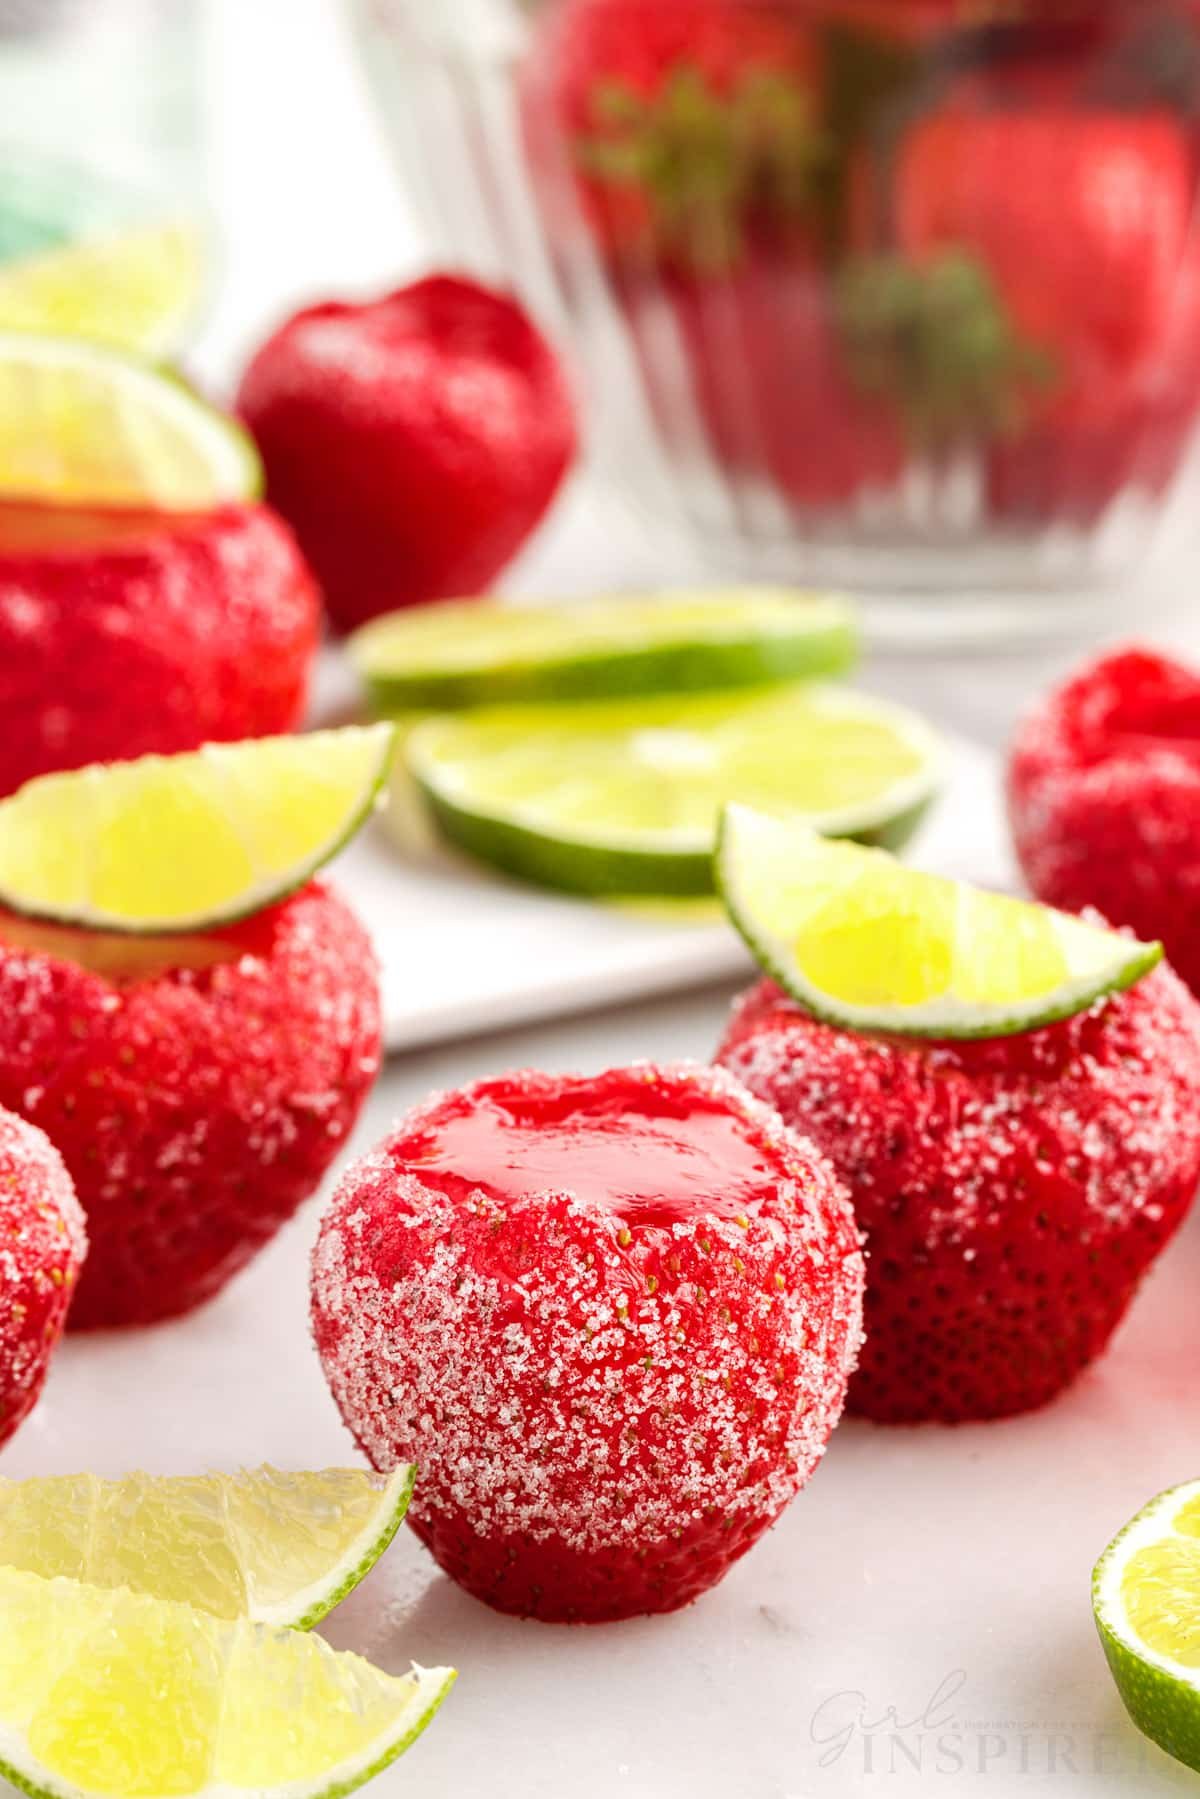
(864, 942)
(189, 842)
(82, 425)
(622, 797)
(1146, 1600)
(279, 1549)
(136, 289)
(479, 652)
(108, 1692)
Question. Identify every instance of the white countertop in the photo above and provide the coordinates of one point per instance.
(919, 1621)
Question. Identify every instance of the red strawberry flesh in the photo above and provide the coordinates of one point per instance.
(612, 1319)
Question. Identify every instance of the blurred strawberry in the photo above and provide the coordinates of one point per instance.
(769, 380)
(1081, 217)
(412, 442)
(681, 122)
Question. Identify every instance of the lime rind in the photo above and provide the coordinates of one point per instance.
(412, 1701)
(529, 840)
(309, 1606)
(460, 654)
(53, 809)
(756, 855)
(1161, 1696)
(167, 448)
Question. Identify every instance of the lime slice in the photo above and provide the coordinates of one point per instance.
(82, 425)
(622, 797)
(1146, 1600)
(279, 1549)
(479, 652)
(864, 942)
(135, 290)
(184, 843)
(119, 1694)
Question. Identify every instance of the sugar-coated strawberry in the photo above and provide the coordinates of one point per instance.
(675, 125)
(197, 1088)
(42, 1247)
(612, 1318)
(125, 634)
(1104, 798)
(413, 442)
(1013, 1192)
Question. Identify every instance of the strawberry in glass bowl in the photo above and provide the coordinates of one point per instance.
(898, 294)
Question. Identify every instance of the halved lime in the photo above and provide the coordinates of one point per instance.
(1146, 1601)
(81, 425)
(864, 942)
(279, 1549)
(113, 1693)
(184, 843)
(482, 652)
(622, 797)
(135, 289)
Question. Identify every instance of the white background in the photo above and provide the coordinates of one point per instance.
(941, 1574)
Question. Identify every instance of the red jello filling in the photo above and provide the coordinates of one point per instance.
(648, 1156)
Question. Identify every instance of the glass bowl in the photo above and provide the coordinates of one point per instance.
(899, 295)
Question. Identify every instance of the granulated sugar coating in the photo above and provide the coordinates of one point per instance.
(1104, 798)
(612, 1319)
(126, 633)
(1012, 1192)
(42, 1246)
(195, 1105)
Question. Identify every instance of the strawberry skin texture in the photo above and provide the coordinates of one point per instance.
(609, 1409)
(1104, 798)
(413, 443)
(44, 1245)
(1082, 216)
(198, 1105)
(123, 637)
(1012, 1192)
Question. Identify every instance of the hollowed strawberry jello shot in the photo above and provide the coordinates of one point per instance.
(197, 1080)
(128, 632)
(1104, 797)
(43, 1243)
(612, 1319)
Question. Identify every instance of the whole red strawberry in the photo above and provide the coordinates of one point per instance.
(613, 1319)
(412, 442)
(673, 125)
(197, 1088)
(1081, 216)
(42, 1230)
(1104, 798)
(1013, 1192)
(125, 634)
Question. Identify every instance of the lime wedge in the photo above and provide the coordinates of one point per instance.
(107, 1692)
(864, 942)
(622, 797)
(81, 425)
(279, 1549)
(480, 652)
(134, 290)
(184, 843)
(1146, 1601)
